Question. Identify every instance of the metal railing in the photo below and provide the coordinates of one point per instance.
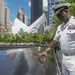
(57, 64)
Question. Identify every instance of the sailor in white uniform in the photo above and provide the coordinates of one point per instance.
(65, 35)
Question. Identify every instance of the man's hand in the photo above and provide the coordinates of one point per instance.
(44, 53)
(41, 57)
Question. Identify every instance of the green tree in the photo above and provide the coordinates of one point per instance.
(37, 37)
(27, 37)
(72, 7)
(55, 22)
(1, 37)
(20, 36)
(9, 37)
(47, 37)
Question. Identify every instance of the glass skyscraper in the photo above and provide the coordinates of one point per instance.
(50, 11)
(36, 9)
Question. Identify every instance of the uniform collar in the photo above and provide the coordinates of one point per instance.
(72, 17)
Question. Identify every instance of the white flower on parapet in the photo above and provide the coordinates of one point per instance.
(39, 48)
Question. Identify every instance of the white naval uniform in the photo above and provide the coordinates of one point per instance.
(65, 35)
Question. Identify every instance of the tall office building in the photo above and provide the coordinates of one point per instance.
(7, 20)
(2, 16)
(50, 11)
(22, 15)
(19, 15)
(36, 9)
(29, 22)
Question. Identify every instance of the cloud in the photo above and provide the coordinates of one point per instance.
(7, 4)
(45, 4)
(29, 4)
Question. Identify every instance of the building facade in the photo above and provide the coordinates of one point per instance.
(7, 20)
(36, 9)
(29, 22)
(22, 15)
(19, 15)
(50, 11)
(2, 16)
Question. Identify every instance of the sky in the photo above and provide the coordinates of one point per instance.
(14, 5)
